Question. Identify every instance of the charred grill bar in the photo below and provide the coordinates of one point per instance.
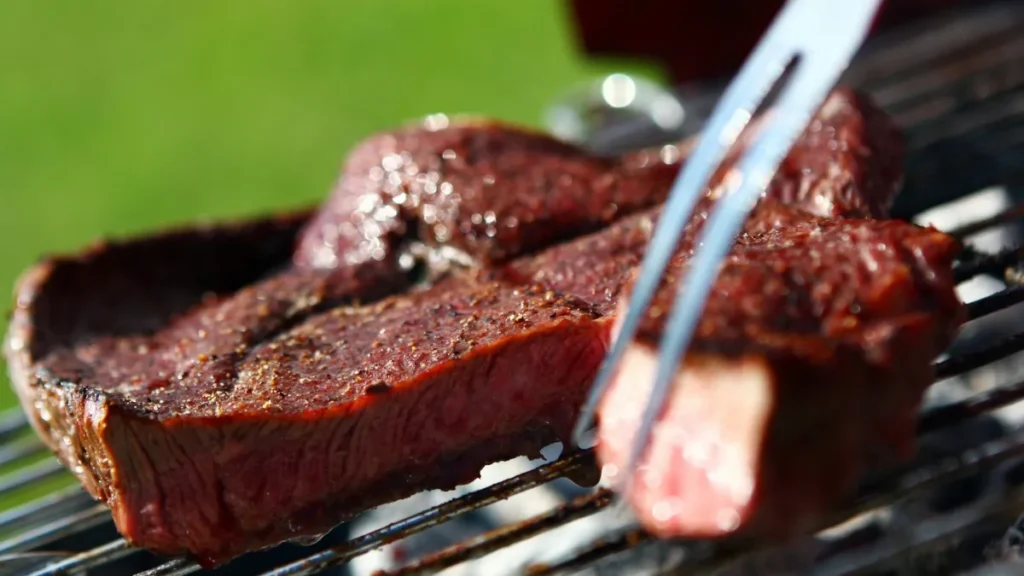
(957, 87)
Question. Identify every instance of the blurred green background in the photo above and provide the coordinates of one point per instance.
(117, 117)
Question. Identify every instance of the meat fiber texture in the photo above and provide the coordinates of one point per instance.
(222, 390)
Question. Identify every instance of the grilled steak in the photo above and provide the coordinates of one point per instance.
(488, 190)
(811, 361)
(848, 163)
(220, 399)
(494, 192)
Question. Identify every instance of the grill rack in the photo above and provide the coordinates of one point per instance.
(958, 89)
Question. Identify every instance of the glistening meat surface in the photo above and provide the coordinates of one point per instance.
(489, 190)
(493, 192)
(220, 399)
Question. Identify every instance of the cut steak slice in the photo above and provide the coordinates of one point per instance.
(810, 363)
(229, 430)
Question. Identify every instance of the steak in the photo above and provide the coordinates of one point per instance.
(493, 192)
(488, 190)
(848, 162)
(222, 393)
(809, 364)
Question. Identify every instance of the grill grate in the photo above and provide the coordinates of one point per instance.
(957, 86)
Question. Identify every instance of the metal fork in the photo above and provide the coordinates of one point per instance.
(819, 38)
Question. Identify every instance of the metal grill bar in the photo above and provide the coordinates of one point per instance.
(996, 302)
(968, 116)
(999, 79)
(12, 423)
(969, 361)
(598, 551)
(52, 531)
(939, 531)
(109, 552)
(436, 515)
(973, 143)
(947, 415)
(20, 449)
(11, 420)
(925, 44)
(959, 45)
(973, 263)
(42, 470)
(507, 535)
(42, 509)
(939, 159)
(178, 567)
(933, 80)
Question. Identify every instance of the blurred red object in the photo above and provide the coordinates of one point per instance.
(697, 39)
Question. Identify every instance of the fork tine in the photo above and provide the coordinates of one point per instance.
(735, 110)
(732, 114)
(822, 62)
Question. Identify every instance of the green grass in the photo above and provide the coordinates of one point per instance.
(121, 116)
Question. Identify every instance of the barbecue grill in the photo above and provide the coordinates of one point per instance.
(956, 85)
